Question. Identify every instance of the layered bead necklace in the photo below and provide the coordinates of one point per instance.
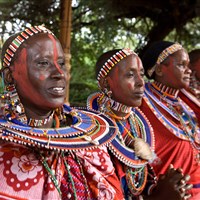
(133, 135)
(186, 126)
(87, 130)
(134, 144)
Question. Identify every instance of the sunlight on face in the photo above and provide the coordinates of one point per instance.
(42, 73)
(126, 81)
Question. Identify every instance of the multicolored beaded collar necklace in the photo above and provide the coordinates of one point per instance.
(88, 130)
(142, 137)
(113, 104)
(122, 152)
(158, 95)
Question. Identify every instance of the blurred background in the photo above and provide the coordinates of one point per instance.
(87, 28)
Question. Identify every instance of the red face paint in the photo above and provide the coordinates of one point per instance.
(129, 86)
(22, 70)
(126, 81)
(115, 78)
(34, 73)
(55, 53)
(42, 77)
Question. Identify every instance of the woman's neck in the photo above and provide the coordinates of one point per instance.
(165, 90)
(113, 108)
(39, 118)
(120, 115)
(37, 114)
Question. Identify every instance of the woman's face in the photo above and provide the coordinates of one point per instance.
(196, 68)
(40, 73)
(126, 81)
(176, 73)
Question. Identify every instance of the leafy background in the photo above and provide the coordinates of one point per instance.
(98, 26)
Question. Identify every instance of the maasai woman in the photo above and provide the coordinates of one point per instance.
(47, 149)
(191, 95)
(120, 78)
(175, 125)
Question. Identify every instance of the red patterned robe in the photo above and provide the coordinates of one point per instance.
(36, 173)
(192, 101)
(24, 177)
(169, 147)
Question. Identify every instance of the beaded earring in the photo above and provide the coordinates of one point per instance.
(107, 92)
(104, 99)
(11, 106)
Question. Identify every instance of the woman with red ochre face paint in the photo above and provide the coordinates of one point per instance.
(175, 124)
(44, 73)
(120, 78)
(47, 149)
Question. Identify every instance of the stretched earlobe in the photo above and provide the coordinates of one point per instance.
(103, 83)
(105, 87)
(158, 70)
(7, 75)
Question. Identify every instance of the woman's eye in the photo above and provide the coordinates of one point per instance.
(62, 64)
(130, 74)
(181, 65)
(142, 74)
(43, 64)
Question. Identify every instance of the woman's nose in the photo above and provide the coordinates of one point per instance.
(140, 81)
(188, 70)
(57, 71)
(58, 75)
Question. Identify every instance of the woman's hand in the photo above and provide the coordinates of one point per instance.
(173, 185)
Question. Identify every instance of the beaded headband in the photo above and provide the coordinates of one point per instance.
(112, 61)
(16, 43)
(163, 55)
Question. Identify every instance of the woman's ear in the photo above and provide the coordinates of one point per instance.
(158, 70)
(7, 75)
(105, 87)
(104, 83)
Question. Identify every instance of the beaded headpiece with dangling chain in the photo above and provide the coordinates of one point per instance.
(106, 68)
(88, 129)
(10, 102)
(135, 158)
(19, 40)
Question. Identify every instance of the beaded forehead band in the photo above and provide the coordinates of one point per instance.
(16, 43)
(112, 61)
(163, 55)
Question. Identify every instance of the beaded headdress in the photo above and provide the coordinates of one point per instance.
(9, 101)
(16, 43)
(112, 61)
(163, 55)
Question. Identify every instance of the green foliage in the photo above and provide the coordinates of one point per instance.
(101, 32)
(188, 35)
(96, 27)
(80, 91)
(1, 86)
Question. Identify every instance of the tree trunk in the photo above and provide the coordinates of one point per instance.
(65, 35)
